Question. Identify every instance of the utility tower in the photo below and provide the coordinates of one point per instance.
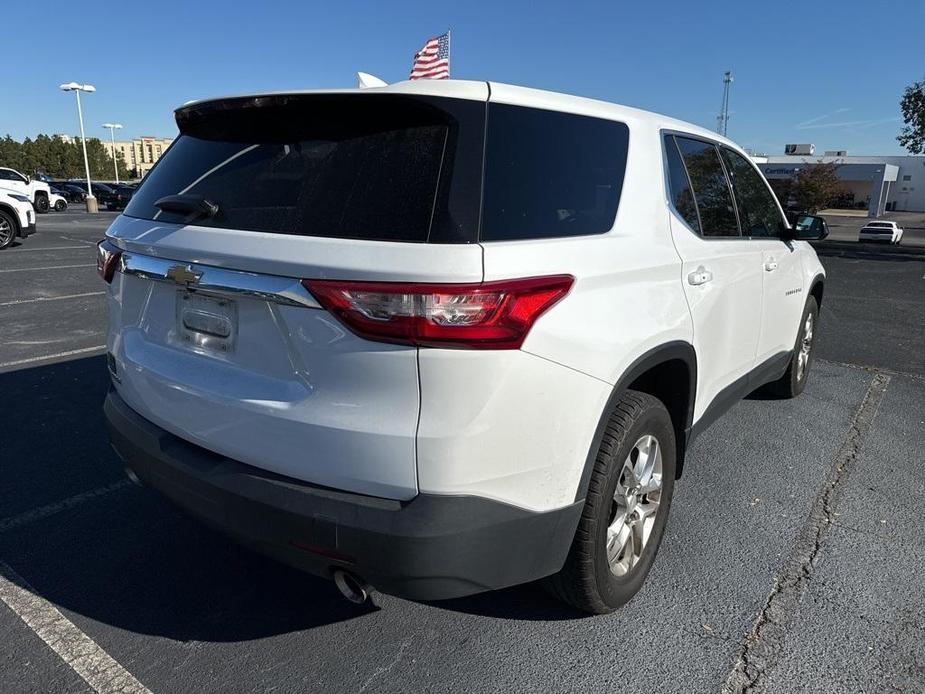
(722, 120)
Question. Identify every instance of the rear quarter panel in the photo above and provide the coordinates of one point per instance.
(627, 297)
(626, 300)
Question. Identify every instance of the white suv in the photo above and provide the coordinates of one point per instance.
(443, 337)
(38, 192)
(17, 217)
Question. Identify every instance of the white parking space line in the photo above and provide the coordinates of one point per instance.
(81, 653)
(16, 302)
(50, 248)
(48, 267)
(69, 353)
(63, 505)
(71, 238)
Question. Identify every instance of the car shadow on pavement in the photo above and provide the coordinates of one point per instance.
(528, 602)
(862, 251)
(124, 556)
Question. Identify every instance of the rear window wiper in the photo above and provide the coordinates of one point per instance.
(187, 204)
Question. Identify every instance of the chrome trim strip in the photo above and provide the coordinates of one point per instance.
(287, 291)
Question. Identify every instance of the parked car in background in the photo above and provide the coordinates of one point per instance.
(121, 194)
(402, 337)
(17, 216)
(36, 191)
(104, 194)
(57, 201)
(74, 192)
(886, 232)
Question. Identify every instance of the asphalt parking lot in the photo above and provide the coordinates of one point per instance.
(792, 562)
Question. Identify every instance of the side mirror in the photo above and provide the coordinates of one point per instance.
(808, 228)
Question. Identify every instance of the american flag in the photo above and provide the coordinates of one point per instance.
(432, 62)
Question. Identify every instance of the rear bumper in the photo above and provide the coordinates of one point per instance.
(431, 547)
(27, 230)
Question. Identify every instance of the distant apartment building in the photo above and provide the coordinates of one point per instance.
(146, 151)
(125, 148)
(141, 153)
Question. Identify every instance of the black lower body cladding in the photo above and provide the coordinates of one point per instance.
(429, 548)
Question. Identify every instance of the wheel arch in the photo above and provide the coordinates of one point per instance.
(38, 195)
(667, 372)
(816, 288)
(11, 211)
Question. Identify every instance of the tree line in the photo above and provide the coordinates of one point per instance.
(59, 159)
(912, 106)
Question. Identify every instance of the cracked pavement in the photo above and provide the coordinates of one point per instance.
(792, 561)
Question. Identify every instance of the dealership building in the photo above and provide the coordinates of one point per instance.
(881, 184)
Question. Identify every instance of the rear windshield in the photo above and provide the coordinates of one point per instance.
(377, 167)
(881, 225)
(390, 167)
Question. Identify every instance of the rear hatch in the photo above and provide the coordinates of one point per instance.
(212, 334)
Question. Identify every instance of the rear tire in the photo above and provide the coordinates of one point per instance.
(60, 206)
(8, 230)
(792, 383)
(626, 508)
(41, 203)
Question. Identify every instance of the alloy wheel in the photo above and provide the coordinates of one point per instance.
(6, 232)
(635, 505)
(806, 345)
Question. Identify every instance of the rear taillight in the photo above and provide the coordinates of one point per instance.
(107, 259)
(490, 315)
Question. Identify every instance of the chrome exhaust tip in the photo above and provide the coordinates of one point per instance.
(355, 589)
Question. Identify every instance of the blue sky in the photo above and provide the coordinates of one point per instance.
(827, 72)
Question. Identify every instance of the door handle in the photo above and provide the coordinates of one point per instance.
(700, 276)
(770, 266)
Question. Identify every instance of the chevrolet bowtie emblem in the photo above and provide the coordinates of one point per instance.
(183, 274)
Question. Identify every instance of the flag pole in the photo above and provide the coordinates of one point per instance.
(449, 54)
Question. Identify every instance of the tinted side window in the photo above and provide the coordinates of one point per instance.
(680, 185)
(711, 189)
(550, 174)
(757, 208)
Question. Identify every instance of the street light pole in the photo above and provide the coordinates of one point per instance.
(77, 88)
(112, 138)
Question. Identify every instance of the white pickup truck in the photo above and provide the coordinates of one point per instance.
(38, 192)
